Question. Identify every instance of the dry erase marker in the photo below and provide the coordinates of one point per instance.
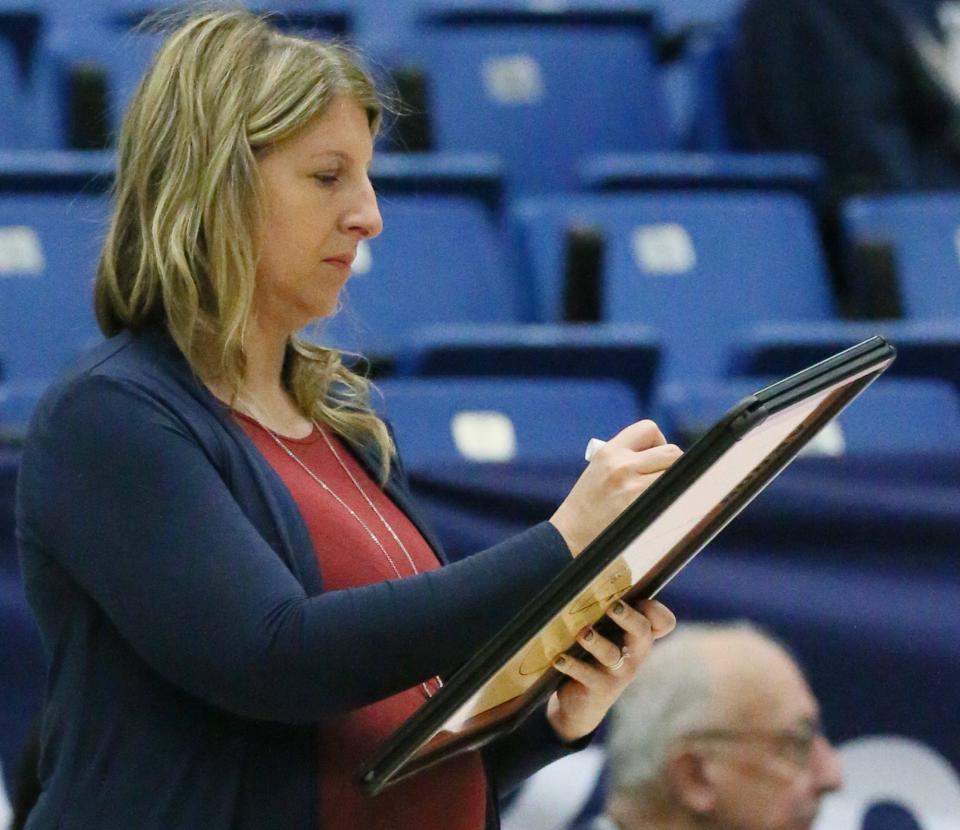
(593, 445)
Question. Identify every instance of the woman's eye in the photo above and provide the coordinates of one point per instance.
(327, 178)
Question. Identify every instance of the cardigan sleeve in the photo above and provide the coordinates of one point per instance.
(118, 491)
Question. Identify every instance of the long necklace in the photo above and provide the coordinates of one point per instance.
(328, 489)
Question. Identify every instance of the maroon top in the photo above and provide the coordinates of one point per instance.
(451, 795)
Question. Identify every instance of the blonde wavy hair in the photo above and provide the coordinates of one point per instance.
(182, 247)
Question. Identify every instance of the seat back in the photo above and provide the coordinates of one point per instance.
(924, 232)
(11, 128)
(93, 66)
(696, 266)
(451, 420)
(677, 15)
(438, 260)
(630, 354)
(894, 416)
(543, 97)
(696, 79)
(709, 67)
(791, 172)
(49, 245)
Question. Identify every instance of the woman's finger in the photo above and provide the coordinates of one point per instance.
(662, 619)
(650, 618)
(653, 460)
(606, 653)
(590, 675)
(638, 436)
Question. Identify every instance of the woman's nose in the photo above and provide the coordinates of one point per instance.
(364, 219)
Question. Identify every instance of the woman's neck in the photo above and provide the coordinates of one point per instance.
(262, 394)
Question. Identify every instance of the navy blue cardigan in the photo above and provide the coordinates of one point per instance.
(191, 646)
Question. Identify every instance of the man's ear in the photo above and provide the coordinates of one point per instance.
(690, 781)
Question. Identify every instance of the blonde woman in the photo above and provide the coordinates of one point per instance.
(237, 599)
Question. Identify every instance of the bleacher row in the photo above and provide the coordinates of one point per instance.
(683, 287)
(507, 221)
(537, 284)
(57, 59)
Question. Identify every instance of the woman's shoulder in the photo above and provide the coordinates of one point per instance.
(124, 375)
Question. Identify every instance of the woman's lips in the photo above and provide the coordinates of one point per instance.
(340, 261)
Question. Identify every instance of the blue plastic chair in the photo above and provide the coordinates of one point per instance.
(924, 350)
(107, 43)
(11, 126)
(696, 266)
(49, 244)
(439, 260)
(543, 97)
(477, 175)
(334, 13)
(628, 353)
(924, 232)
(120, 54)
(510, 12)
(674, 15)
(626, 172)
(708, 67)
(484, 420)
(65, 173)
(893, 416)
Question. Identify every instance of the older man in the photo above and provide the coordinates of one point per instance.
(720, 730)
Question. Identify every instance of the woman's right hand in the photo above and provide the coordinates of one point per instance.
(618, 472)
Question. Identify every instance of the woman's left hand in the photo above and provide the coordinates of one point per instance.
(579, 705)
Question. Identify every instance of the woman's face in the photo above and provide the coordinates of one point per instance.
(318, 205)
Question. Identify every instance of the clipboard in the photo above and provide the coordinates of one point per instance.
(632, 559)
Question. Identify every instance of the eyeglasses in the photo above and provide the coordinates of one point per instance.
(794, 745)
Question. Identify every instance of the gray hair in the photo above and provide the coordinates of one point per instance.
(672, 695)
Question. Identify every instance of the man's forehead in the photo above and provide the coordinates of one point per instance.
(757, 681)
(783, 700)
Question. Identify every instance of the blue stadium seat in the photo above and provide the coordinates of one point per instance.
(20, 26)
(113, 57)
(49, 243)
(628, 353)
(924, 232)
(478, 175)
(439, 260)
(29, 7)
(104, 57)
(11, 126)
(696, 35)
(447, 420)
(333, 14)
(676, 15)
(791, 172)
(924, 350)
(566, 12)
(696, 266)
(32, 172)
(543, 97)
(707, 125)
(382, 26)
(893, 416)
